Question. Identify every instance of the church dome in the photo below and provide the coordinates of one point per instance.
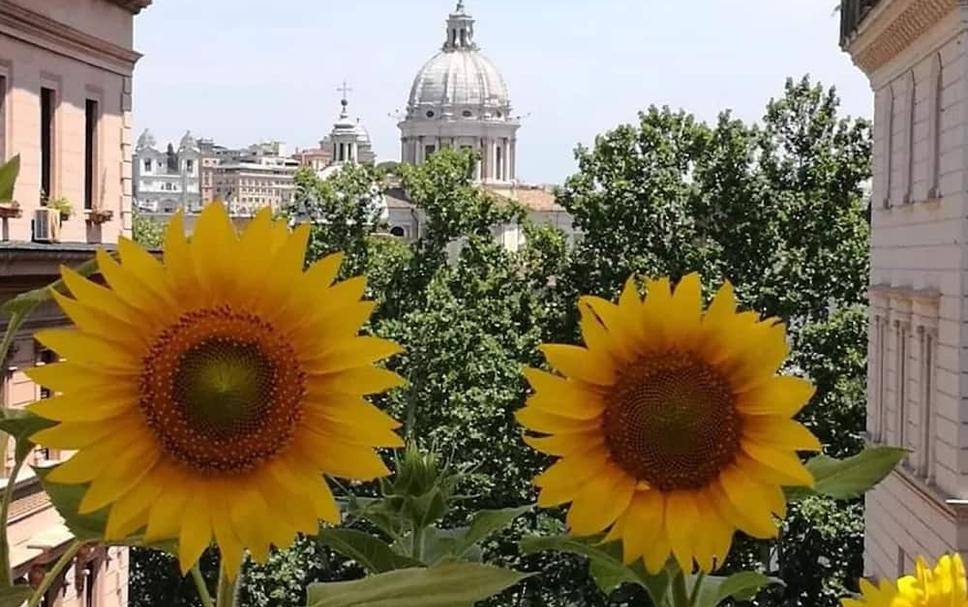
(459, 82)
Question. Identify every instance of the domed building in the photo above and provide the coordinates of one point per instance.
(460, 100)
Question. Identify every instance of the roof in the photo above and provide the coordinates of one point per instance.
(396, 198)
(134, 6)
(530, 197)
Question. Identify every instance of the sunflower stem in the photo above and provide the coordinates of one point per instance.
(694, 595)
(418, 538)
(201, 586)
(227, 590)
(7, 575)
(54, 573)
(680, 596)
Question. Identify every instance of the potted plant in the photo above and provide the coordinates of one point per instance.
(98, 216)
(62, 205)
(9, 208)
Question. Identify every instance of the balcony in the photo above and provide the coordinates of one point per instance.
(852, 13)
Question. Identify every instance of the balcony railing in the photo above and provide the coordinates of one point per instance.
(852, 13)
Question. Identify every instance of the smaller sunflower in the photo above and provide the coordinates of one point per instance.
(942, 586)
(672, 426)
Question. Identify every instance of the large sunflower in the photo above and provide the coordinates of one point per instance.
(942, 586)
(672, 426)
(207, 395)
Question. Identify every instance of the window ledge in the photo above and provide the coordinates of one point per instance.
(98, 216)
(10, 210)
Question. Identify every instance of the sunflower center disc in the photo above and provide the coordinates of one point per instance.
(671, 422)
(224, 385)
(222, 390)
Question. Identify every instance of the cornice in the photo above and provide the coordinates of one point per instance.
(134, 6)
(39, 30)
(891, 27)
(922, 296)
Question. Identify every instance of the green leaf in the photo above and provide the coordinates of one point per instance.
(370, 552)
(15, 596)
(851, 477)
(604, 558)
(89, 527)
(742, 586)
(446, 585)
(8, 178)
(609, 575)
(484, 524)
(25, 303)
(66, 499)
(22, 424)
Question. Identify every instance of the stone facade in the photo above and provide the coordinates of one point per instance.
(249, 179)
(166, 181)
(913, 52)
(65, 107)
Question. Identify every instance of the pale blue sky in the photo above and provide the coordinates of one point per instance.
(245, 70)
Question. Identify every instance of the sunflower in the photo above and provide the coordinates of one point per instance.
(672, 426)
(943, 586)
(207, 395)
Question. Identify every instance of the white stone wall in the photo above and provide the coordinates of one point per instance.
(916, 370)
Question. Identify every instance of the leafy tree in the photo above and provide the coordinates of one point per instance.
(777, 208)
(147, 231)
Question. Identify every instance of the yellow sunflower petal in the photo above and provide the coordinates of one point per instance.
(580, 363)
(783, 396)
(97, 297)
(564, 444)
(86, 349)
(681, 522)
(783, 461)
(119, 476)
(360, 380)
(780, 432)
(561, 396)
(196, 530)
(603, 498)
(540, 420)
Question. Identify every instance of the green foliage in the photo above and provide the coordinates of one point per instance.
(14, 596)
(8, 178)
(343, 211)
(777, 208)
(444, 585)
(147, 231)
(852, 477)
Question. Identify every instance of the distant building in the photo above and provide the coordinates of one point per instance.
(315, 159)
(166, 181)
(261, 175)
(913, 52)
(459, 100)
(66, 72)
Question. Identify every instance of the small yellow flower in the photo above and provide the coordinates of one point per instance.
(943, 586)
(207, 395)
(673, 429)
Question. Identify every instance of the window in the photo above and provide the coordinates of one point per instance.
(430, 114)
(47, 100)
(934, 130)
(926, 467)
(902, 354)
(190, 166)
(397, 231)
(881, 379)
(909, 139)
(3, 117)
(467, 113)
(500, 162)
(429, 151)
(91, 121)
(888, 161)
(147, 165)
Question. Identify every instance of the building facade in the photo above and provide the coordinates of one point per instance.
(166, 181)
(913, 52)
(459, 100)
(66, 71)
(249, 179)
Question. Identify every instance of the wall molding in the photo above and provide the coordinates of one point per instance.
(48, 34)
(892, 26)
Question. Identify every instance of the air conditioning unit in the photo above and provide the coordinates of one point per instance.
(46, 224)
